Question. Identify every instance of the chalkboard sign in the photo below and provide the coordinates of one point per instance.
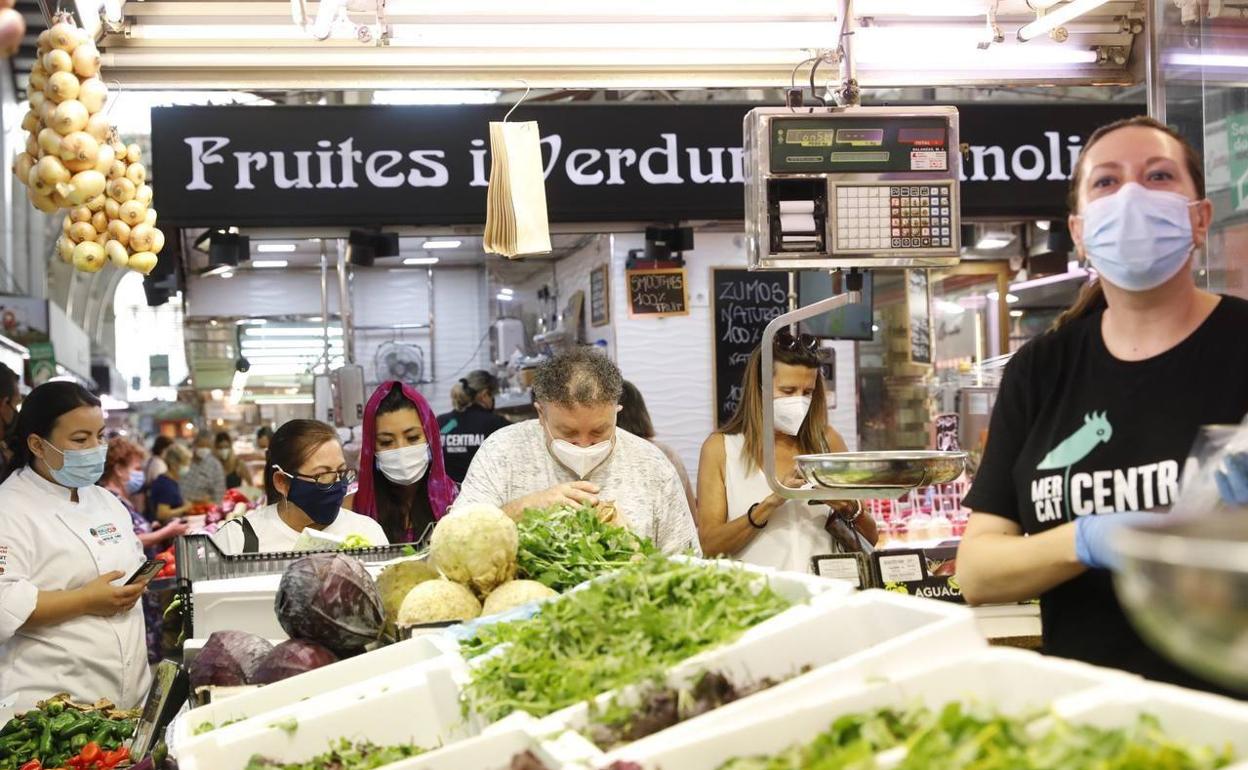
(599, 296)
(919, 312)
(657, 293)
(743, 303)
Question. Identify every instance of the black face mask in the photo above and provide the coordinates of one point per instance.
(321, 505)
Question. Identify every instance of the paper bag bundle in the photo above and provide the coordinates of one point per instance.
(515, 213)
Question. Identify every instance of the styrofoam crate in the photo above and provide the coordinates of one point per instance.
(870, 634)
(1012, 681)
(794, 586)
(1190, 717)
(420, 707)
(381, 663)
(490, 751)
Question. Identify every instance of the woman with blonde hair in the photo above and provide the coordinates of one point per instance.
(738, 514)
(471, 423)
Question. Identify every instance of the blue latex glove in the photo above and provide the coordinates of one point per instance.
(1093, 535)
(1232, 479)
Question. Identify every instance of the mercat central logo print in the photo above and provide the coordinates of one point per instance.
(1095, 431)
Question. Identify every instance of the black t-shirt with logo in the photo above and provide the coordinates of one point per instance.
(1077, 432)
(462, 435)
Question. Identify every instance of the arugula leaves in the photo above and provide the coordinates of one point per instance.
(343, 755)
(621, 629)
(563, 547)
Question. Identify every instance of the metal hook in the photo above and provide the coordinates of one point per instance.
(112, 101)
(527, 90)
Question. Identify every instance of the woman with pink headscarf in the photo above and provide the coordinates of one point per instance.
(403, 482)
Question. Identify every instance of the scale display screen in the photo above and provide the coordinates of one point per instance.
(802, 144)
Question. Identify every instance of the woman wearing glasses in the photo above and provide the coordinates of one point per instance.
(305, 481)
(738, 514)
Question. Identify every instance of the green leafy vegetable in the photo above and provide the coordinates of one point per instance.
(342, 756)
(208, 727)
(562, 547)
(621, 629)
(289, 725)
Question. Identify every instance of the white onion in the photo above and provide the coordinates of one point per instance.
(137, 173)
(32, 146)
(50, 141)
(36, 96)
(121, 190)
(63, 36)
(81, 214)
(69, 116)
(86, 60)
(44, 41)
(133, 213)
(65, 249)
(62, 86)
(117, 253)
(150, 218)
(141, 237)
(22, 165)
(134, 153)
(119, 231)
(144, 195)
(80, 146)
(42, 202)
(65, 224)
(117, 170)
(99, 220)
(93, 93)
(158, 240)
(89, 257)
(143, 261)
(82, 231)
(97, 203)
(113, 209)
(30, 122)
(97, 126)
(51, 170)
(58, 61)
(104, 159)
(84, 186)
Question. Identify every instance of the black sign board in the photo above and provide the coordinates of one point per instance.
(657, 293)
(600, 296)
(429, 165)
(743, 303)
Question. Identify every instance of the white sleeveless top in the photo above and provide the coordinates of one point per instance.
(794, 533)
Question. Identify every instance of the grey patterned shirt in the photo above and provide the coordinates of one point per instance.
(204, 481)
(514, 462)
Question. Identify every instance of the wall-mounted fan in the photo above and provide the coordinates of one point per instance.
(397, 361)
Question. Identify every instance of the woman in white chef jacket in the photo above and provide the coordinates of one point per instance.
(738, 514)
(68, 622)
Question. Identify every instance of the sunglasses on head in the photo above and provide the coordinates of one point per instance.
(787, 342)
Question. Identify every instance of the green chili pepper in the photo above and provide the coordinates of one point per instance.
(11, 726)
(101, 733)
(81, 725)
(54, 708)
(77, 742)
(61, 721)
(45, 741)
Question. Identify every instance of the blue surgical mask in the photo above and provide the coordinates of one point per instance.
(1137, 238)
(321, 505)
(135, 482)
(79, 467)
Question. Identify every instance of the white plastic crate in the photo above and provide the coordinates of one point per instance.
(418, 706)
(490, 751)
(381, 663)
(871, 634)
(1013, 681)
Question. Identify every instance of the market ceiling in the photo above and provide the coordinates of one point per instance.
(606, 44)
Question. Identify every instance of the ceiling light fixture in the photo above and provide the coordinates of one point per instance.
(504, 298)
(1057, 17)
(414, 261)
(269, 263)
(442, 244)
(993, 241)
(276, 248)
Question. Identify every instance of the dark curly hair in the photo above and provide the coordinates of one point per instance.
(582, 375)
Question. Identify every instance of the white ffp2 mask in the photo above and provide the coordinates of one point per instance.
(406, 465)
(581, 460)
(790, 412)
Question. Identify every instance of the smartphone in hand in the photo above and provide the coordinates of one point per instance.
(146, 571)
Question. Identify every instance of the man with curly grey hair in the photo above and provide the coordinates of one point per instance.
(574, 454)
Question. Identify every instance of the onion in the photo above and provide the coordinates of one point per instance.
(50, 141)
(65, 249)
(141, 237)
(143, 261)
(121, 190)
(82, 231)
(119, 148)
(133, 213)
(150, 218)
(89, 257)
(60, 201)
(137, 173)
(42, 202)
(99, 220)
(44, 41)
(158, 240)
(86, 60)
(46, 111)
(32, 147)
(84, 186)
(113, 209)
(63, 36)
(134, 153)
(116, 253)
(58, 61)
(104, 160)
(80, 146)
(75, 166)
(51, 170)
(69, 116)
(62, 86)
(144, 194)
(117, 170)
(30, 122)
(81, 214)
(93, 93)
(38, 82)
(65, 223)
(97, 203)
(35, 183)
(12, 30)
(101, 238)
(36, 96)
(24, 163)
(97, 126)
(119, 231)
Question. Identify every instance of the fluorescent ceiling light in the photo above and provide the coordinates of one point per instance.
(506, 291)
(935, 47)
(276, 248)
(311, 343)
(435, 96)
(258, 399)
(421, 261)
(1209, 59)
(1016, 314)
(1044, 224)
(262, 263)
(220, 270)
(1073, 273)
(1057, 17)
(504, 298)
(279, 331)
(949, 308)
(442, 244)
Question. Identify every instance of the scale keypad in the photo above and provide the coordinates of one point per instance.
(876, 217)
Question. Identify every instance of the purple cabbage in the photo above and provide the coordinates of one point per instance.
(229, 659)
(330, 599)
(291, 657)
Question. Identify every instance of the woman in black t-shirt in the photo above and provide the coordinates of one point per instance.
(1095, 418)
(472, 422)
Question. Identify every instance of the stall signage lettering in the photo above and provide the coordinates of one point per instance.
(657, 293)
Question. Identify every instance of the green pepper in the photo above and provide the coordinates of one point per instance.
(62, 721)
(101, 733)
(54, 708)
(81, 725)
(11, 726)
(45, 741)
(77, 742)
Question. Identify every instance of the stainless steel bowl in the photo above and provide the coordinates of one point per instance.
(1185, 586)
(881, 470)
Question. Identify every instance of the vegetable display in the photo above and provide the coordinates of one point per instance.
(960, 737)
(562, 547)
(513, 594)
(475, 546)
(396, 581)
(330, 599)
(290, 658)
(75, 162)
(438, 601)
(229, 659)
(58, 731)
(622, 629)
(343, 756)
